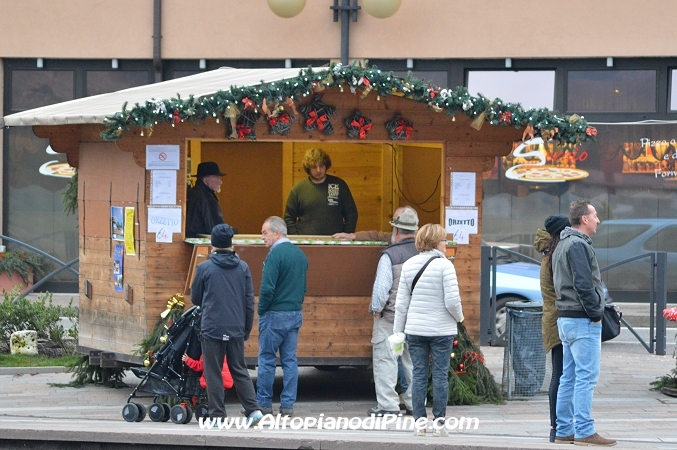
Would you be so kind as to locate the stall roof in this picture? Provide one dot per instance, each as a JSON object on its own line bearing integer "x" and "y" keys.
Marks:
{"x": 94, "y": 109}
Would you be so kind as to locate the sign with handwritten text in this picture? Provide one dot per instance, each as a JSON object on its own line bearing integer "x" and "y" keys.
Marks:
{"x": 167, "y": 218}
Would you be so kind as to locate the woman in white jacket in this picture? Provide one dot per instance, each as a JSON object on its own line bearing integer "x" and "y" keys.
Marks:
{"x": 428, "y": 316}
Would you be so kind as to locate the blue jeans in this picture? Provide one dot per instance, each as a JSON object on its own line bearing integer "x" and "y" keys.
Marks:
{"x": 582, "y": 349}
{"x": 278, "y": 330}
{"x": 420, "y": 347}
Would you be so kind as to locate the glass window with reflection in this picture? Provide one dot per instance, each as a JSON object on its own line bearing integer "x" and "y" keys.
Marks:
{"x": 611, "y": 91}
{"x": 104, "y": 81}
{"x": 673, "y": 90}
{"x": 530, "y": 88}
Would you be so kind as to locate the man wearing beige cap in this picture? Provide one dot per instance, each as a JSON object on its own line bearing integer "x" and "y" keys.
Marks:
{"x": 382, "y": 307}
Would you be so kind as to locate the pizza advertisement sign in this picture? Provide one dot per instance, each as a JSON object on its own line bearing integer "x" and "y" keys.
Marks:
{"x": 648, "y": 156}
{"x": 536, "y": 161}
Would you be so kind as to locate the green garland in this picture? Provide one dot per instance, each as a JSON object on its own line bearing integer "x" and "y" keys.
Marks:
{"x": 564, "y": 128}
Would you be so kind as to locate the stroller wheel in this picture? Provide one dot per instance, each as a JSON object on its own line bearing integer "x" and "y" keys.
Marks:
{"x": 142, "y": 412}
{"x": 156, "y": 412}
{"x": 178, "y": 414}
{"x": 167, "y": 414}
{"x": 130, "y": 412}
{"x": 189, "y": 414}
{"x": 201, "y": 410}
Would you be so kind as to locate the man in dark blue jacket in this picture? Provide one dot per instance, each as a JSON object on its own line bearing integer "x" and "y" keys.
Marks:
{"x": 223, "y": 288}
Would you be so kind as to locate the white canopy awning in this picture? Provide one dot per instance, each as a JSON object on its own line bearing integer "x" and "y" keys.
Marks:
{"x": 94, "y": 109}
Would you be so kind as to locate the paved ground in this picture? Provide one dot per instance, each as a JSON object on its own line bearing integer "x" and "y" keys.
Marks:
{"x": 624, "y": 408}
{"x": 36, "y": 415}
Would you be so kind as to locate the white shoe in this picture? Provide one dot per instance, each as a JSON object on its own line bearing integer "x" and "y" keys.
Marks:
{"x": 420, "y": 432}
{"x": 440, "y": 433}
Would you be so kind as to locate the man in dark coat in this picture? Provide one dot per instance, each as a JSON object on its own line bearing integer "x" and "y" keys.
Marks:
{"x": 223, "y": 288}
{"x": 202, "y": 206}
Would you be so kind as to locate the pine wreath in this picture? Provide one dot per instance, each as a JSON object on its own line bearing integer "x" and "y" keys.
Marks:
{"x": 318, "y": 115}
{"x": 399, "y": 128}
{"x": 244, "y": 126}
{"x": 358, "y": 125}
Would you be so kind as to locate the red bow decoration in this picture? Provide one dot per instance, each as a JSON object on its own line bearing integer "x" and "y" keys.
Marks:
{"x": 284, "y": 118}
{"x": 365, "y": 81}
{"x": 591, "y": 131}
{"x": 363, "y": 127}
{"x": 248, "y": 103}
{"x": 505, "y": 117}
{"x": 403, "y": 127}
{"x": 320, "y": 120}
{"x": 242, "y": 131}
{"x": 433, "y": 91}
{"x": 176, "y": 118}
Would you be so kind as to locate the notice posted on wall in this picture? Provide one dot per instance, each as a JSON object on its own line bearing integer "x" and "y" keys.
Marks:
{"x": 117, "y": 222}
{"x": 163, "y": 222}
{"x": 461, "y": 222}
{"x": 118, "y": 259}
{"x": 162, "y": 157}
{"x": 462, "y": 189}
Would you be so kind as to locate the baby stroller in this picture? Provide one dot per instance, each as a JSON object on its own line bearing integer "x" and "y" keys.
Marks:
{"x": 169, "y": 377}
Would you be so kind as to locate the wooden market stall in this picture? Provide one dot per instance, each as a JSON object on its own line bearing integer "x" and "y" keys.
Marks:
{"x": 418, "y": 136}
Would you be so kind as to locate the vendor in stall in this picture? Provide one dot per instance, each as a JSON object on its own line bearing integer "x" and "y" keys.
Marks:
{"x": 320, "y": 204}
{"x": 203, "y": 211}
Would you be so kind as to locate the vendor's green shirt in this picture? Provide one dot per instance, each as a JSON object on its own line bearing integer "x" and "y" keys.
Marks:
{"x": 322, "y": 209}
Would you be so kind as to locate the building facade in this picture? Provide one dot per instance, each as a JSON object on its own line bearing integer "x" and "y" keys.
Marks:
{"x": 606, "y": 60}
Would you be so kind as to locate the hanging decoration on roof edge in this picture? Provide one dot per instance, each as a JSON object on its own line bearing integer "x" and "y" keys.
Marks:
{"x": 361, "y": 80}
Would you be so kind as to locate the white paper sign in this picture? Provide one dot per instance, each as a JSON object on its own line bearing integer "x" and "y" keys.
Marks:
{"x": 163, "y": 187}
{"x": 162, "y": 157}
{"x": 461, "y": 222}
{"x": 462, "y": 189}
{"x": 168, "y": 219}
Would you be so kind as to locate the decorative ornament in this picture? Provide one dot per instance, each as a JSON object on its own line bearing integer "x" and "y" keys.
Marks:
{"x": 249, "y": 104}
{"x": 434, "y": 107}
{"x": 670, "y": 314}
{"x": 146, "y": 362}
{"x": 281, "y": 124}
{"x": 163, "y": 339}
{"x": 467, "y": 104}
{"x": 399, "y": 128}
{"x": 455, "y": 342}
{"x": 244, "y": 126}
{"x": 358, "y": 125}
{"x": 505, "y": 117}
{"x": 432, "y": 91}
{"x": 176, "y": 118}
{"x": 318, "y": 115}
{"x": 528, "y": 132}
{"x": 591, "y": 131}
{"x": 479, "y": 121}
{"x": 176, "y": 301}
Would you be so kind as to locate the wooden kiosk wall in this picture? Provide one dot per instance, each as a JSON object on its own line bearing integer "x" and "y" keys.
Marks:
{"x": 336, "y": 323}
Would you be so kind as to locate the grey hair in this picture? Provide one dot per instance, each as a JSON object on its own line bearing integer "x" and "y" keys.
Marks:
{"x": 277, "y": 224}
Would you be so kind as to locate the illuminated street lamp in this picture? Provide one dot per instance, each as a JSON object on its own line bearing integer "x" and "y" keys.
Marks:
{"x": 380, "y": 9}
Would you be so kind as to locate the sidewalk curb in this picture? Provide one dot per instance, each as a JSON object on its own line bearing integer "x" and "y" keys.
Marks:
{"x": 32, "y": 370}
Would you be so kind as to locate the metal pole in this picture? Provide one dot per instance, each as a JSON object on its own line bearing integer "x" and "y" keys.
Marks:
{"x": 661, "y": 300}
{"x": 345, "y": 31}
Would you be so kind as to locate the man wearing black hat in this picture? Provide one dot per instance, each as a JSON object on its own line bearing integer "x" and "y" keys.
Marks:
{"x": 203, "y": 211}
{"x": 223, "y": 288}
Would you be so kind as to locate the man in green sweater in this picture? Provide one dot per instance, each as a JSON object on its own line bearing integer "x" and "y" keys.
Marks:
{"x": 283, "y": 285}
{"x": 320, "y": 204}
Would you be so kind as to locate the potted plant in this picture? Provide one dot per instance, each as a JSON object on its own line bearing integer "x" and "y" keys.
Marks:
{"x": 19, "y": 267}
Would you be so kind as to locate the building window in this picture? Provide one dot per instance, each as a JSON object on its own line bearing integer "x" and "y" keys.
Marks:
{"x": 35, "y": 88}
{"x": 105, "y": 81}
{"x": 611, "y": 91}
{"x": 673, "y": 90}
{"x": 531, "y": 88}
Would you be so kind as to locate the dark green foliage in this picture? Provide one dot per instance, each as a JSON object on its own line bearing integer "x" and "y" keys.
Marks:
{"x": 18, "y": 313}
{"x": 84, "y": 373}
{"x": 22, "y": 263}
{"x": 69, "y": 197}
{"x": 229, "y": 103}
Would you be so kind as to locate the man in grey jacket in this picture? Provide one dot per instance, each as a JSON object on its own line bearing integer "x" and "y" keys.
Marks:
{"x": 580, "y": 304}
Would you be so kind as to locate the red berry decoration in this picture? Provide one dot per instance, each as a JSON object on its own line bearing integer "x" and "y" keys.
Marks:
{"x": 455, "y": 342}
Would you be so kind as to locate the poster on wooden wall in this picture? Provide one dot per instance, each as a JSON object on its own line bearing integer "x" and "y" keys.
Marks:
{"x": 118, "y": 259}
{"x": 117, "y": 221}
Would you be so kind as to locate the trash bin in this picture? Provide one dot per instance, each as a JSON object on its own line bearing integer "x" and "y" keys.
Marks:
{"x": 524, "y": 355}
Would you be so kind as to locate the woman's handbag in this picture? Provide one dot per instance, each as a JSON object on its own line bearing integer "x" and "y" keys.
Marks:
{"x": 611, "y": 322}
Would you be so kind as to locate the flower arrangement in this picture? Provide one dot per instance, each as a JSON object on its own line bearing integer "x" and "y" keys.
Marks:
{"x": 22, "y": 263}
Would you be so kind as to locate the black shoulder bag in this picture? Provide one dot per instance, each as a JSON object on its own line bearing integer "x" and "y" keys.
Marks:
{"x": 611, "y": 322}
{"x": 420, "y": 272}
